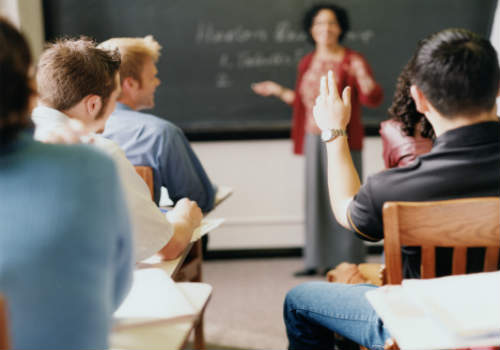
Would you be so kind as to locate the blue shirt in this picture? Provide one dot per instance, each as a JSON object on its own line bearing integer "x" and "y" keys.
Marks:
{"x": 151, "y": 141}
{"x": 65, "y": 244}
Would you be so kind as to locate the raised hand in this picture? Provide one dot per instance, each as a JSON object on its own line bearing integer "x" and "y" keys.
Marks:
{"x": 330, "y": 111}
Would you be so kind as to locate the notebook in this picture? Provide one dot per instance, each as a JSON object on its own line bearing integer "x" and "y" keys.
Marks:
{"x": 154, "y": 297}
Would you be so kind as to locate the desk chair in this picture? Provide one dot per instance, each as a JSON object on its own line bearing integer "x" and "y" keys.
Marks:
{"x": 191, "y": 268}
{"x": 4, "y": 329}
{"x": 460, "y": 224}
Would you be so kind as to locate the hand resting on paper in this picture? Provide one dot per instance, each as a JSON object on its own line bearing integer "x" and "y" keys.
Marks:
{"x": 185, "y": 217}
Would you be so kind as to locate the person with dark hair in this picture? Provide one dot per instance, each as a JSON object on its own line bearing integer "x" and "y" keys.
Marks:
{"x": 454, "y": 80}
{"x": 80, "y": 82}
{"x": 407, "y": 134}
{"x": 65, "y": 240}
{"x": 326, "y": 242}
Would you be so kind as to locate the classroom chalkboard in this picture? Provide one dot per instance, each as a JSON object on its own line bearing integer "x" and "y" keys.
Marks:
{"x": 214, "y": 49}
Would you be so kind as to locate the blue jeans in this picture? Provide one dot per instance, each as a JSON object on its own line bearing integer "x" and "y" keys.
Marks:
{"x": 314, "y": 311}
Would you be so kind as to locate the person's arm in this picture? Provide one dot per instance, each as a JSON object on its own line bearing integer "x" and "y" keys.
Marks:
{"x": 118, "y": 216}
{"x": 271, "y": 88}
{"x": 370, "y": 93}
{"x": 182, "y": 172}
{"x": 333, "y": 112}
{"x": 185, "y": 218}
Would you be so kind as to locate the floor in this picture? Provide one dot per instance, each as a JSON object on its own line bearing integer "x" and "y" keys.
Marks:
{"x": 245, "y": 311}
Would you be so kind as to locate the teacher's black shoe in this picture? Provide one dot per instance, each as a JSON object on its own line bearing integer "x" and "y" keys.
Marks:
{"x": 305, "y": 272}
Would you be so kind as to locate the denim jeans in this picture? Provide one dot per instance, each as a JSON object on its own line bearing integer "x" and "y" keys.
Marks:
{"x": 314, "y": 311}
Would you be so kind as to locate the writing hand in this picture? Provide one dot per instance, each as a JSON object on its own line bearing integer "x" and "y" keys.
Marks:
{"x": 330, "y": 111}
{"x": 187, "y": 211}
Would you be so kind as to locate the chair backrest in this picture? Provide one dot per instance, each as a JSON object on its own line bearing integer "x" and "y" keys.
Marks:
{"x": 460, "y": 224}
{"x": 146, "y": 173}
{"x": 4, "y": 329}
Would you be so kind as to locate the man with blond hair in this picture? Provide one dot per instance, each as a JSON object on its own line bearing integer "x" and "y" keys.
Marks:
{"x": 78, "y": 81}
{"x": 147, "y": 139}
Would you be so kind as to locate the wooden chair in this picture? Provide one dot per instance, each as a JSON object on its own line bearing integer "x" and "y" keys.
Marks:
{"x": 4, "y": 329}
{"x": 460, "y": 224}
{"x": 191, "y": 268}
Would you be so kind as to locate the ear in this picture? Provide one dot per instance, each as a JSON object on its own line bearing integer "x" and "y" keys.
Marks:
{"x": 421, "y": 102}
{"x": 130, "y": 83}
{"x": 93, "y": 105}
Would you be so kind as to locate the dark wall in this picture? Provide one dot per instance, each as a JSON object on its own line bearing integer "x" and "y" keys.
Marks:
{"x": 214, "y": 49}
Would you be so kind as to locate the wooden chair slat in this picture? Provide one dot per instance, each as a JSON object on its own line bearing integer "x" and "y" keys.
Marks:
{"x": 428, "y": 262}
{"x": 146, "y": 173}
{"x": 459, "y": 263}
{"x": 491, "y": 259}
{"x": 392, "y": 245}
{"x": 4, "y": 329}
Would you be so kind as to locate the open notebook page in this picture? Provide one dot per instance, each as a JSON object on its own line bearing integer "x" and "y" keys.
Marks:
{"x": 154, "y": 297}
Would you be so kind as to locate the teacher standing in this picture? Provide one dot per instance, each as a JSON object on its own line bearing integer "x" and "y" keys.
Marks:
{"x": 326, "y": 242}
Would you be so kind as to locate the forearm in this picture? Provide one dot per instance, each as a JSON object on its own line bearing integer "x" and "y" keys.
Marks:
{"x": 179, "y": 241}
{"x": 286, "y": 95}
{"x": 343, "y": 179}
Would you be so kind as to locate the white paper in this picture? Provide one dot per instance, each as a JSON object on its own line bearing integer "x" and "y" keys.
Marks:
{"x": 441, "y": 313}
{"x": 154, "y": 297}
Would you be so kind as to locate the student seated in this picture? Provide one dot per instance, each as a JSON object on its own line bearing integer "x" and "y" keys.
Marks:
{"x": 147, "y": 139}
{"x": 454, "y": 77}
{"x": 65, "y": 240}
{"x": 76, "y": 80}
{"x": 407, "y": 134}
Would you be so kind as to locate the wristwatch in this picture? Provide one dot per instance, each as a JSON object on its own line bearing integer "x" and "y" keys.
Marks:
{"x": 331, "y": 134}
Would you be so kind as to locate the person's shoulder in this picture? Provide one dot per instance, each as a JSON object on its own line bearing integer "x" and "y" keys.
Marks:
{"x": 106, "y": 145}
{"x": 155, "y": 123}
{"x": 306, "y": 60}
{"x": 388, "y": 178}
{"x": 353, "y": 54}
{"x": 391, "y": 130}
{"x": 69, "y": 159}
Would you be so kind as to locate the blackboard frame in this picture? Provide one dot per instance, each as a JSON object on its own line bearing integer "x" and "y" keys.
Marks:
{"x": 385, "y": 32}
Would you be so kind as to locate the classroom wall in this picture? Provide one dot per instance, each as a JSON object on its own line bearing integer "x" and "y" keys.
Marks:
{"x": 266, "y": 208}
{"x": 28, "y": 17}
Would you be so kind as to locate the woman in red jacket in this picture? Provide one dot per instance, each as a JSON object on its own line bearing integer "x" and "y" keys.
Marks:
{"x": 326, "y": 243}
{"x": 407, "y": 134}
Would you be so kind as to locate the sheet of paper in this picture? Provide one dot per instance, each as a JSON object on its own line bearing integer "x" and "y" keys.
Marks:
{"x": 154, "y": 297}
{"x": 416, "y": 324}
{"x": 468, "y": 305}
{"x": 207, "y": 225}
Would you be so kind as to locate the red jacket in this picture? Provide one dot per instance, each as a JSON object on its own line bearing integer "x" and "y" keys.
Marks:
{"x": 399, "y": 149}
{"x": 355, "y": 128}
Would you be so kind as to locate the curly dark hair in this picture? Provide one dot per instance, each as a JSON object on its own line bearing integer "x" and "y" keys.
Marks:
{"x": 15, "y": 87}
{"x": 340, "y": 13}
{"x": 403, "y": 107}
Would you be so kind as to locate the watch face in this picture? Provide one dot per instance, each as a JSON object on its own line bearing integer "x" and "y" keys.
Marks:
{"x": 326, "y": 135}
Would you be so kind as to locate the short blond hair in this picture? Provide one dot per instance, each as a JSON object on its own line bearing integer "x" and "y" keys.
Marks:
{"x": 134, "y": 53}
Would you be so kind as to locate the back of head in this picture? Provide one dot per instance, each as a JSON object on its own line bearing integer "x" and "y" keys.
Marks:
{"x": 71, "y": 69}
{"x": 457, "y": 71}
{"x": 15, "y": 89}
{"x": 134, "y": 53}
